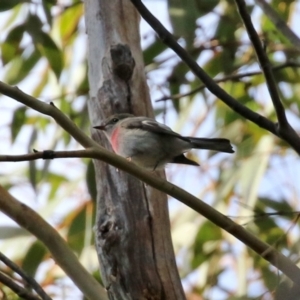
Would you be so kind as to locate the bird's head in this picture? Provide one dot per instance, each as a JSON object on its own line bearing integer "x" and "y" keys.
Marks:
{"x": 110, "y": 124}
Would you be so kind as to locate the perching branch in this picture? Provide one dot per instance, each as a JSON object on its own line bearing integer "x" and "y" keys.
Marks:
{"x": 19, "y": 290}
{"x": 288, "y": 134}
{"x": 28, "y": 279}
{"x": 48, "y": 154}
{"x": 30, "y": 220}
{"x": 279, "y": 23}
{"x": 95, "y": 151}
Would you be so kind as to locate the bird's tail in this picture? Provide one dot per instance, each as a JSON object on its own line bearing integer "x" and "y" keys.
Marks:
{"x": 222, "y": 145}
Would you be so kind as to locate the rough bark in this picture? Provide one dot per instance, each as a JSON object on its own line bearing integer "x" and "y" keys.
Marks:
{"x": 133, "y": 230}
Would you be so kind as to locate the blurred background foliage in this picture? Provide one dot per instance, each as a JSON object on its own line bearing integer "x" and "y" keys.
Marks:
{"x": 43, "y": 51}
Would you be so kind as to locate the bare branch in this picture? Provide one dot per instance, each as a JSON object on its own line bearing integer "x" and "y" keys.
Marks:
{"x": 28, "y": 279}
{"x": 289, "y": 135}
{"x": 20, "y": 291}
{"x": 284, "y": 130}
{"x": 49, "y": 110}
{"x": 28, "y": 219}
{"x": 264, "y": 64}
{"x": 48, "y": 154}
{"x": 279, "y": 23}
{"x": 227, "y": 78}
{"x": 169, "y": 40}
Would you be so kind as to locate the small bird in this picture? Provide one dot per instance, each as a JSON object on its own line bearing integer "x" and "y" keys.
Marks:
{"x": 151, "y": 145}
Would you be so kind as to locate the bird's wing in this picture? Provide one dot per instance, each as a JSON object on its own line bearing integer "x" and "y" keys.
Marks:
{"x": 153, "y": 126}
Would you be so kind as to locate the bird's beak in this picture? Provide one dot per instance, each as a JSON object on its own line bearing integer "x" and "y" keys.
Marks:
{"x": 100, "y": 127}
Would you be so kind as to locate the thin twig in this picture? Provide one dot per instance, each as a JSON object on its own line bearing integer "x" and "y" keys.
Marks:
{"x": 279, "y": 23}
{"x": 20, "y": 291}
{"x": 227, "y": 78}
{"x": 28, "y": 279}
{"x": 264, "y": 64}
{"x": 48, "y": 154}
{"x": 23, "y": 215}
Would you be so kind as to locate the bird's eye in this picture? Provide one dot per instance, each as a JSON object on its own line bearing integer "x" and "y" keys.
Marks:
{"x": 115, "y": 120}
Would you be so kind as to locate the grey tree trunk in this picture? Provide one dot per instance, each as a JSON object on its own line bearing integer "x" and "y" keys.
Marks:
{"x": 133, "y": 230}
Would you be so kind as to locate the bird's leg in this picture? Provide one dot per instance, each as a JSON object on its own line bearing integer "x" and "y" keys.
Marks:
{"x": 129, "y": 158}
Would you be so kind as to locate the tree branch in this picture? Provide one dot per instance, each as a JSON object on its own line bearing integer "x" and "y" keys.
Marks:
{"x": 95, "y": 151}
{"x": 169, "y": 40}
{"x": 264, "y": 64}
{"x": 227, "y": 78}
{"x": 49, "y": 110}
{"x": 279, "y": 23}
{"x": 263, "y": 249}
{"x": 48, "y": 154}
{"x": 289, "y": 135}
{"x": 20, "y": 291}
{"x": 284, "y": 130}
{"x": 28, "y": 279}
{"x": 66, "y": 259}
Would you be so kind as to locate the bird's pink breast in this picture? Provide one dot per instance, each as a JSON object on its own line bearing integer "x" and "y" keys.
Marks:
{"x": 114, "y": 140}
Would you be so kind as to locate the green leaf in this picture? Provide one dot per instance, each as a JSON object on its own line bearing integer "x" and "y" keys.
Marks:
{"x": 203, "y": 249}
{"x": 46, "y": 46}
{"x": 53, "y": 54}
{"x": 91, "y": 180}
{"x": 183, "y": 16}
{"x": 32, "y": 164}
{"x": 33, "y": 258}
{"x": 83, "y": 87}
{"x": 11, "y": 46}
{"x": 20, "y": 67}
{"x": 9, "y": 4}
{"x": 56, "y": 181}
{"x": 69, "y": 22}
{"x": 281, "y": 206}
{"x": 43, "y": 80}
{"x": 47, "y": 10}
{"x": 18, "y": 120}
{"x": 206, "y": 6}
{"x": 78, "y": 227}
{"x": 153, "y": 50}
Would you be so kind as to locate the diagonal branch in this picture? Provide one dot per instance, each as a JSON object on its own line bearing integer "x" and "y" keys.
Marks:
{"x": 289, "y": 135}
{"x": 30, "y": 220}
{"x": 95, "y": 151}
{"x": 20, "y": 291}
{"x": 279, "y": 23}
{"x": 266, "y": 251}
{"x": 264, "y": 64}
{"x": 49, "y": 110}
{"x": 170, "y": 41}
{"x": 28, "y": 279}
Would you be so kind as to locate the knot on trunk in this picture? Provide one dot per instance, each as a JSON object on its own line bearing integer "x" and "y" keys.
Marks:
{"x": 122, "y": 61}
